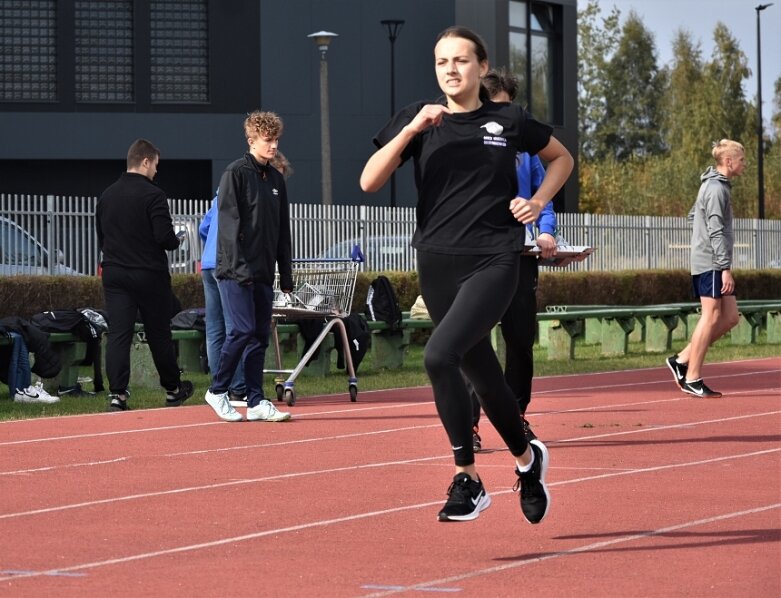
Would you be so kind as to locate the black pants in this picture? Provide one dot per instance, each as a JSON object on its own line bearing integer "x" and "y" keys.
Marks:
{"x": 519, "y": 328}
{"x": 466, "y": 296}
{"x": 128, "y": 291}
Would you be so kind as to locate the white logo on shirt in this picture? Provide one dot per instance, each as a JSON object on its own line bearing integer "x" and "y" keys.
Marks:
{"x": 493, "y": 128}
{"x": 275, "y": 192}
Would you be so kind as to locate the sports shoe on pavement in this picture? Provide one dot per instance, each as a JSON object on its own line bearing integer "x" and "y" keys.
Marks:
{"x": 466, "y": 498}
{"x": 698, "y": 388}
{"x": 179, "y": 395}
{"x": 222, "y": 406}
{"x": 535, "y": 500}
{"x": 117, "y": 403}
{"x": 34, "y": 394}
{"x": 477, "y": 443}
{"x": 265, "y": 411}
{"x": 527, "y": 429}
{"x": 678, "y": 369}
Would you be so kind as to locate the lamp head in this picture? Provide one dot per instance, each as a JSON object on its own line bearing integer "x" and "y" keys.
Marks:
{"x": 763, "y": 6}
{"x": 322, "y": 39}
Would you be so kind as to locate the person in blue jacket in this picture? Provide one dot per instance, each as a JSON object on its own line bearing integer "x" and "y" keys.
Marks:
{"x": 218, "y": 320}
{"x": 520, "y": 320}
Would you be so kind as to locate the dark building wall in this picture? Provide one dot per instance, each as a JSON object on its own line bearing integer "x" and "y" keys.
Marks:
{"x": 260, "y": 57}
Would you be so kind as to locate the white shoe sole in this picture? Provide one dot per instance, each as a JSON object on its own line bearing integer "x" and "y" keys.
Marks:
{"x": 230, "y": 416}
{"x": 543, "y": 473}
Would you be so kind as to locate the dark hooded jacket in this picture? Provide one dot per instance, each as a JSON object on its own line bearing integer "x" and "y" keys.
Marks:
{"x": 253, "y": 225}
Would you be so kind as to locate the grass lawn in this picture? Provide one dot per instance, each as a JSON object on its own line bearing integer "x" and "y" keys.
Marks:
{"x": 587, "y": 359}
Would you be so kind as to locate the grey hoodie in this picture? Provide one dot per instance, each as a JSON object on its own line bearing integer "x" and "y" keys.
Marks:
{"x": 711, "y": 220}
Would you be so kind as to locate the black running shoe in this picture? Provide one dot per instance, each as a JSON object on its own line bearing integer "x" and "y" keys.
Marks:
{"x": 698, "y": 388}
{"x": 678, "y": 369}
{"x": 115, "y": 403}
{"x": 466, "y": 498}
{"x": 179, "y": 395}
{"x": 535, "y": 500}
{"x": 527, "y": 429}
{"x": 477, "y": 443}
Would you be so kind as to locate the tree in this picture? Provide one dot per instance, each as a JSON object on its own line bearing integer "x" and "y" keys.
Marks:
{"x": 634, "y": 86}
{"x": 595, "y": 45}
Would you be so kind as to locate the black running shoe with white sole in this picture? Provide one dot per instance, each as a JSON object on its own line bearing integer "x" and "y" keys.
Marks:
{"x": 535, "y": 499}
{"x": 698, "y": 388}
{"x": 116, "y": 403}
{"x": 678, "y": 369}
{"x": 477, "y": 442}
{"x": 466, "y": 498}
{"x": 174, "y": 398}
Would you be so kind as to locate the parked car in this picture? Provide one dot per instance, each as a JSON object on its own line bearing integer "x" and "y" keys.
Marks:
{"x": 21, "y": 253}
{"x": 381, "y": 253}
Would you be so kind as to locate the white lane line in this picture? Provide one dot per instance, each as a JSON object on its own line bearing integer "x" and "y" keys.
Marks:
{"x": 573, "y": 551}
{"x": 383, "y": 512}
{"x": 428, "y": 426}
{"x": 635, "y": 384}
{"x": 202, "y": 424}
{"x": 67, "y": 466}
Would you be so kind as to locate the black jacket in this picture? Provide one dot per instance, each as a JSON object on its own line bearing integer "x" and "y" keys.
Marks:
{"x": 134, "y": 225}
{"x": 47, "y": 362}
{"x": 253, "y": 225}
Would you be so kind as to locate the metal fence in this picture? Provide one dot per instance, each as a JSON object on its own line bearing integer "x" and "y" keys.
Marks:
{"x": 53, "y": 234}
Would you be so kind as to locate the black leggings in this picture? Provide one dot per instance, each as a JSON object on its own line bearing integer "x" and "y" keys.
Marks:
{"x": 466, "y": 296}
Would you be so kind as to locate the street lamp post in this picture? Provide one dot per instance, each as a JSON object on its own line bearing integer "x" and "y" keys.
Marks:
{"x": 322, "y": 39}
{"x": 394, "y": 28}
{"x": 760, "y": 142}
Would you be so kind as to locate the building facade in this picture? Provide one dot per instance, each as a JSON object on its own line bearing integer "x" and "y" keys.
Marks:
{"x": 80, "y": 80}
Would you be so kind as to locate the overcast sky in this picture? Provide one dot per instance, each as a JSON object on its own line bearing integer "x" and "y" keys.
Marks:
{"x": 664, "y": 18}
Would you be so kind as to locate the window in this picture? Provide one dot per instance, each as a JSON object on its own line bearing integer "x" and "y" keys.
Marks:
{"x": 534, "y": 33}
{"x": 28, "y": 51}
{"x": 179, "y": 51}
{"x": 104, "y": 51}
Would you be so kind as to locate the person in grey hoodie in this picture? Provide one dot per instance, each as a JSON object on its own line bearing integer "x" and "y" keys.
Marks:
{"x": 711, "y": 266}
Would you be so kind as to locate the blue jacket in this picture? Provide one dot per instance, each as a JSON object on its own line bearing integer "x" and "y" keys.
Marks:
{"x": 208, "y": 233}
{"x": 530, "y": 174}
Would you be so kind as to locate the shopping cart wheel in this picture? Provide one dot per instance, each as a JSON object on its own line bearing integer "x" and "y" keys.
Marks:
{"x": 290, "y": 396}
{"x": 280, "y": 392}
{"x": 353, "y": 393}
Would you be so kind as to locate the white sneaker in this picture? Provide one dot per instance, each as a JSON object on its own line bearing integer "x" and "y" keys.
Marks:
{"x": 265, "y": 411}
{"x": 34, "y": 394}
{"x": 222, "y": 406}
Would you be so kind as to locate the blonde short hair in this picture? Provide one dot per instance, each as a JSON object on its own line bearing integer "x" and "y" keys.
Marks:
{"x": 265, "y": 124}
{"x": 724, "y": 148}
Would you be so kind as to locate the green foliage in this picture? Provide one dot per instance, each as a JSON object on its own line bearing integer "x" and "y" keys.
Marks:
{"x": 630, "y": 125}
{"x": 646, "y": 135}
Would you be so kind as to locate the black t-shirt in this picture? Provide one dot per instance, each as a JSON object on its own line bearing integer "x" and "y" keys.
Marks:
{"x": 465, "y": 175}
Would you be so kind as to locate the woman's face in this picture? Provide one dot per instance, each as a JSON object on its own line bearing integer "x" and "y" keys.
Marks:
{"x": 458, "y": 70}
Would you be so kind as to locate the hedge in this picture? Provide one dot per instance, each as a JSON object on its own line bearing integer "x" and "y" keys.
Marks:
{"x": 24, "y": 296}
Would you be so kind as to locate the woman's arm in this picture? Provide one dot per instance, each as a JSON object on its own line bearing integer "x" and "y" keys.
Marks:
{"x": 385, "y": 160}
{"x": 560, "y": 164}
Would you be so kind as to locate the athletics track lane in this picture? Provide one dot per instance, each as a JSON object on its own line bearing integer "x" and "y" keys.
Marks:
{"x": 655, "y": 494}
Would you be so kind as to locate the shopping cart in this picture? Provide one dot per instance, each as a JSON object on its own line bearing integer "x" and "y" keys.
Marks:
{"x": 322, "y": 289}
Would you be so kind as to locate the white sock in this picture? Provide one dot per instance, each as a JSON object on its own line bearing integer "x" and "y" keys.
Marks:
{"x": 526, "y": 467}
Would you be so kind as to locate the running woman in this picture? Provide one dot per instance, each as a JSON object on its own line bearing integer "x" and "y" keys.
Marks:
{"x": 468, "y": 240}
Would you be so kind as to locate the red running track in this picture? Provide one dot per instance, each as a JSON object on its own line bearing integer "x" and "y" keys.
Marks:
{"x": 654, "y": 493}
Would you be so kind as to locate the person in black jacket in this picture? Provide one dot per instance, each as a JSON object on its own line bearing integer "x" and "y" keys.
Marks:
{"x": 253, "y": 220}
{"x": 134, "y": 230}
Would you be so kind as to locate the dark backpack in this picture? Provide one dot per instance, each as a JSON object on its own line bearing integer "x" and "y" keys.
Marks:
{"x": 87, "y": 324}
{"x": 382, "y": 304}
{"x": 190, "y": 319}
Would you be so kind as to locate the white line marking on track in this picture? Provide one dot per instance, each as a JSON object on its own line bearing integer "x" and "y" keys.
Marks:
{"x": 66, "y": 466}
{"x": 382, "y": 512}
{"x": 573, "y": 551}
